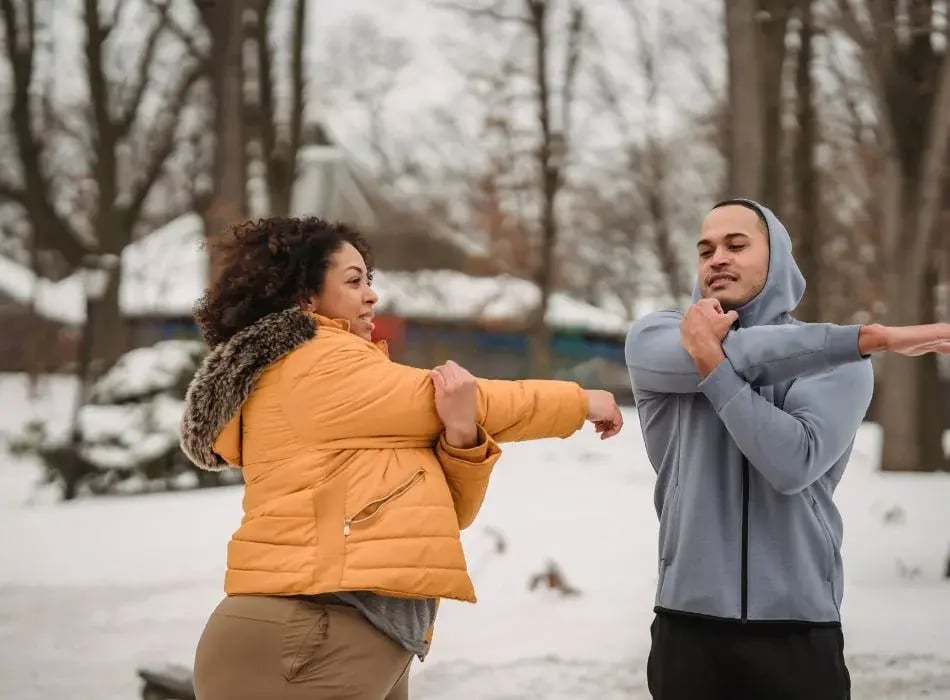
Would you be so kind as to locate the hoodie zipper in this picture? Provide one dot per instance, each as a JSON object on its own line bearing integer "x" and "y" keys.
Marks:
{"x": 744, "y": 581}
{"x": 375, "y": 506}
{"x": 745, "y": 540}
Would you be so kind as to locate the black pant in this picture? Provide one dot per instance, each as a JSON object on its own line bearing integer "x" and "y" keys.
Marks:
{"x": 701, "y": 659}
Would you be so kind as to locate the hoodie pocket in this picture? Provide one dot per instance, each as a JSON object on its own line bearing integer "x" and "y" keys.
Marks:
{"x": 829, "y": 542}
{"x": 670, "y": 526}
{"x": 373, "y": 508}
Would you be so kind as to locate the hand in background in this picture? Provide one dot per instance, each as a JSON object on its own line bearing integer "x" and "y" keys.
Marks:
{"x": 905, "y": 340}
{"x": 603, "y": 412}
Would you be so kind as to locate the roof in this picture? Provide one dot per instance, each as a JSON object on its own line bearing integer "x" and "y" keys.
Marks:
{"x": 165, "y": 272}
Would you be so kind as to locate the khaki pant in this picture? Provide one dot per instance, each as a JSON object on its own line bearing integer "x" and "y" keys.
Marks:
{"x": 282, "y": 648}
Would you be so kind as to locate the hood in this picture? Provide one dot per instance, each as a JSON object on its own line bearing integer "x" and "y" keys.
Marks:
{"x": 785, "y": 284}
{"x": 226, "y": 376}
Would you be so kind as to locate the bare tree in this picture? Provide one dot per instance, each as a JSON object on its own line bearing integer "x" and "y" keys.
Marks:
{"x": 226, "y": 201}
{"x": 645, "y": 149}
{"x": 553, "y": 100}
{"x": 908, "y": 67}
{"x": 84, "y": 171}
{"x": 755, "y": 38}
{"x": 362, "y": 71}
{"x": 807, "y": 222}
{"x": 278, "y": 125}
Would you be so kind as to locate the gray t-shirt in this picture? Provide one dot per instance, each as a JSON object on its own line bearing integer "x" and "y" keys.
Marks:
{"x": 404, "y": 620}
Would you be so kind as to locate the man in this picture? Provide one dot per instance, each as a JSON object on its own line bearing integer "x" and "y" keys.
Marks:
{"x": 749, "y": 418}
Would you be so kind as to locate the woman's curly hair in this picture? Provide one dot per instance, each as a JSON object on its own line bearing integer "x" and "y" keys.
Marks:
{"x": 266, "y": 266}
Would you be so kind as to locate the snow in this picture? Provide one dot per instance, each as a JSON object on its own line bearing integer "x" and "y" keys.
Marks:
{"x": 135, "y": 408}
{"x": 96, "y": 588}
{"x": 165, "y": 272}
{"x": 51, "y": 401}
{"x": 144, "y": 371}
{"x": 59, "y": 301}
{"x": 445, "y": 294}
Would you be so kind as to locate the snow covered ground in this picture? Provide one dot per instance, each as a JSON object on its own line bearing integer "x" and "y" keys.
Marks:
{"x": 93, "y": 589}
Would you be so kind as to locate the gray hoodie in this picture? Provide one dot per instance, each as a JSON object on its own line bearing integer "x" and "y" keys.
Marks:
{"x": 747, "y": 459}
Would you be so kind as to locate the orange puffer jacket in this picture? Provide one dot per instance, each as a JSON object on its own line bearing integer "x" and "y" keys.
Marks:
{"x": 348, "y": 485}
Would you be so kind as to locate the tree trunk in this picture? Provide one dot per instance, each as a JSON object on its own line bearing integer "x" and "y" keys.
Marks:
{"x": 807, "y": 221}
{"x": 746, "y": 133}
{"x": 280, "y": 155}
{"x": 228, "y": 202}
{"x": 912, "y": 427}
{"x": 770, "y": 27}
{"x": 932, "y": 401}
{"x": 108, "y": 329}
{"x": 550, "y": 155}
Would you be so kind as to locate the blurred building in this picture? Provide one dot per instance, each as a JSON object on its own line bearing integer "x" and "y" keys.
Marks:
{"x": 432, "y": 307}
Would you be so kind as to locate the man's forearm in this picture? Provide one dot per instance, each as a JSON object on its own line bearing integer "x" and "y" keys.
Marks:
{"x": 794, "y": 445}
{"x": 761, "y": 354}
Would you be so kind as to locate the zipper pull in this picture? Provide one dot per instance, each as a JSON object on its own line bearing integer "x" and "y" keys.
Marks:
{"x": 346, "y": 528}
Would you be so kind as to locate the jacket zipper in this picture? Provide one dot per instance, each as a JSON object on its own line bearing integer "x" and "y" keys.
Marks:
{"x": 375, "y": 506}
{"x": 745, "y": 540}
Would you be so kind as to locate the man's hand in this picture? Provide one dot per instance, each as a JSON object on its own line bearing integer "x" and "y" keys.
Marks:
{"x": 603, "y": 412}
{"x": 702, "y": 330}
{"x": 456, "y": 402}
{"x": 905, "y": 340}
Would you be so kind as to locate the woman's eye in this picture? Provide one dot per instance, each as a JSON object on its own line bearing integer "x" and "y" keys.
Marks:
{"x": 355, "y": 281}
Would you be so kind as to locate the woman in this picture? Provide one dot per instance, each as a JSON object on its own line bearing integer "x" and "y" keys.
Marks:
{"x": 359, "y": 472}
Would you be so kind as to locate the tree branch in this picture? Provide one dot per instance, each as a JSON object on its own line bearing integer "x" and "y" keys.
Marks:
{"x": 877, "y": 61}
{"x": 183, "y": 35}
{"x": 492, "y": 13}
{"x": 131, "y": 108}
{"x": 266, "y": 116}
{"x": 163, "y": 144}
{"x": 575, "y": 33}
{"x": 116, "y": 16}
{"x": 12, "y": 193}
{"x": 298, "y": 79}
{"x": 846, "y": 91}
{"x": 49, "y": 229}
{"x": 105, "y": 136}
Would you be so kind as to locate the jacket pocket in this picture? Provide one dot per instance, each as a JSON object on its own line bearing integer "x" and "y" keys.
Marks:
{"x": 829, "y": 542}
{"x": 372, "y": 509}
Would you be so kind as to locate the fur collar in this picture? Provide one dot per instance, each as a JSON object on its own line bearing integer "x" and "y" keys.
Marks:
{"x": 226, "y": 376}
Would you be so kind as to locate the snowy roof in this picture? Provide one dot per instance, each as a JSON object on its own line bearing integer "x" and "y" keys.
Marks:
{"x": 449, "y": 295}
{"x": 58, "y": 301}
{"x": 164, "y": 273}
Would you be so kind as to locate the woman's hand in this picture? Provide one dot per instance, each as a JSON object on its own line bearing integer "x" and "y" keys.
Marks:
{"x": 603, "y": 412}
{"x": 905, "y": 340}
{"x": 456, "y": 402}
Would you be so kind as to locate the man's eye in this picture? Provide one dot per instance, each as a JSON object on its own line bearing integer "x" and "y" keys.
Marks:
{"x": 737, "y": 247}
{"x": 705, "y": 254}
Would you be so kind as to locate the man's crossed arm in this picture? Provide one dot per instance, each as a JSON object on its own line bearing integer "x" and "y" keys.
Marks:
{"x": 792, "y": 446}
